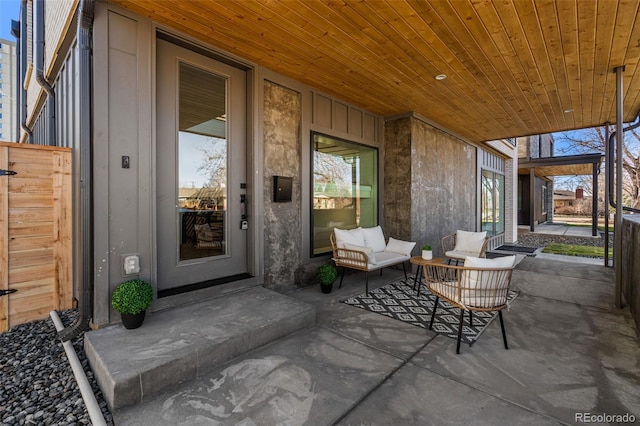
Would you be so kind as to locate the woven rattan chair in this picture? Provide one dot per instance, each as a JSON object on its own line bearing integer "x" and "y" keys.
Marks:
{"x": 455, "y": 249}
{"x": 471, "y": 288}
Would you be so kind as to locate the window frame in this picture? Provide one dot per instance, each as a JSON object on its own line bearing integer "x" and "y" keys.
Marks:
{"x": 494, "y": 200}
{"x": 313, "y": 133}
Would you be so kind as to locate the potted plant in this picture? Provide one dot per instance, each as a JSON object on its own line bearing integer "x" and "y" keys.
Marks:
{"x": 427, "y": 253}
{"x": 132, "y": 298}
{"x": 326, "y": 274}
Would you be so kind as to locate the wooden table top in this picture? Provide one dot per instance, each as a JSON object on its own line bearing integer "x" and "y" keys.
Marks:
{"x": 418, "y": 260}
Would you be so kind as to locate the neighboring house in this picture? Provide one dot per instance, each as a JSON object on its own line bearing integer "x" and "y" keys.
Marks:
{"x": 562, "y": 198}
{"x": 537, "y": 166}
{"x": 8, "y": 87}
{"x": 570, "y": 202}
{"x": 169, "y": 112}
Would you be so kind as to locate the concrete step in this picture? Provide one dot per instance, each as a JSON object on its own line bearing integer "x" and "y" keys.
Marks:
{"x": 187, "y": 342}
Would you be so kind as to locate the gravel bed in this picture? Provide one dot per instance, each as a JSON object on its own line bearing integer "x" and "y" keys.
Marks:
{"x": 37, "y": 385}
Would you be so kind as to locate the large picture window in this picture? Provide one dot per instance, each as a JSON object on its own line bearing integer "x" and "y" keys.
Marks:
{"x": 492, "y": 203}
{"x": 345, "y": 188}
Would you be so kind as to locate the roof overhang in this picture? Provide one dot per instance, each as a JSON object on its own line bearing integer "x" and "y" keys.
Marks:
{"x": 561, "y": 166}
{"x": 513, "y": 68}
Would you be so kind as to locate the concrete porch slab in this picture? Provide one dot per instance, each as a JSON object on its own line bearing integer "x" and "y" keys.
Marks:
{"x": 312, "y": 377}
{"x": 176, "y": 345}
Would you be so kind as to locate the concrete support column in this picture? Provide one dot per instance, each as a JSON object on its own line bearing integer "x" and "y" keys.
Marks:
{"x": 429, "y": 183}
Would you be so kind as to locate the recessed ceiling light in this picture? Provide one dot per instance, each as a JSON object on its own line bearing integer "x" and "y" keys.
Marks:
{"x": 567, "y": 111}
{"x": 441, "y": 77}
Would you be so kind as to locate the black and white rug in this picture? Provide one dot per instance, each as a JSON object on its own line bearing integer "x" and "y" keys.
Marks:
{"x": 398, "y": 300}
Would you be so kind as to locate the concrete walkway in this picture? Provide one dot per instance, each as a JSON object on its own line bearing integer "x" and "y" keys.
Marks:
{"x": 570, "y": 353}
{"x": 560, "y": 229}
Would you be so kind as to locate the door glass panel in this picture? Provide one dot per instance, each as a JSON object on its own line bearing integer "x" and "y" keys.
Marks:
{"x": 202, "y": 164}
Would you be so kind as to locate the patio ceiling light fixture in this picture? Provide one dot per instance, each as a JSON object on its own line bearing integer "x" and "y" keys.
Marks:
{"x": 441, "y": 77}
{"x": 567, "y": 111}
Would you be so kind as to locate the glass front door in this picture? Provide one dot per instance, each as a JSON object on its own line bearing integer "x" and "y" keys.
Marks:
{"x": 201, "y": 169}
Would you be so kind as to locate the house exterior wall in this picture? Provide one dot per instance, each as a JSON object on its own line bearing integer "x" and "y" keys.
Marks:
{"x": 123, "y": 200}
{"x": 282, "y": 157}
{"x": 415, "y": 157}
{"x": 8, "y": 131}
{"x": 430, "y": 183}
{"x": 58, "y": 16}
{"x": 509, "y": 154}
{"x": 58, "y": 36}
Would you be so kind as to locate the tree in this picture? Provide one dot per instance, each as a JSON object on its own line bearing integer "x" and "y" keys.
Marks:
{"x": 214, "y": 162}
{"x": 593, "y": 140}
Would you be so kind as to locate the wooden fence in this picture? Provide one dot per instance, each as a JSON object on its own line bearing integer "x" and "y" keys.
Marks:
{"x": 35, "y": 232}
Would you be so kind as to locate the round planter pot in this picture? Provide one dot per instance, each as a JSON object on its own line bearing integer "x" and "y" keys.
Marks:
{"x": 131, "y": 321}
{"x": 427, "y": 254}
{"x": 326, "y": 288}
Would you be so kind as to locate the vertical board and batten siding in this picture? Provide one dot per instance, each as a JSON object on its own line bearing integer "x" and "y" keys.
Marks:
{"x": 35, "y": 232}
{"x": 66, "y": 87}
{"x": 492, "y": 162}
{"x": 344, "y": 121}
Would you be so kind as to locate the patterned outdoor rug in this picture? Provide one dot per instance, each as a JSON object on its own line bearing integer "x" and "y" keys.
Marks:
{"x": 398, "y": 300}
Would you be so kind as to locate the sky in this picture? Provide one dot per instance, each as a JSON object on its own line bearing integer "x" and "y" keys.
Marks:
{"x": 9, "y": 9}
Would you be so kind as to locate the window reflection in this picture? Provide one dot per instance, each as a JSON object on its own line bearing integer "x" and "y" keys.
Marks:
{"x": 345, "y": 188}
{"x": 202, "y": 163}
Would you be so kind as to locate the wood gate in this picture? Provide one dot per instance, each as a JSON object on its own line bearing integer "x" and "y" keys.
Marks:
{"x": 35, "y": 232}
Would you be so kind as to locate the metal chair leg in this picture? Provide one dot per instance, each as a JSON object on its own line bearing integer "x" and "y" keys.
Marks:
{"x": 418, "y": 280}
{"x": 404, "y": 268}
{"x": 381, "y": 269}
{"x": 433, "y": 314}
{"x": 470, "y": 318}
{"x": 366, "y": 281}
{"x": 342, "y": 277}
{"x": 504, "y": 335}
{"x": 460, "y": 331}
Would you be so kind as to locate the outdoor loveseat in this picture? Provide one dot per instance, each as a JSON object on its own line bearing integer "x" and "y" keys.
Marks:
{"x": 365, "y": 249}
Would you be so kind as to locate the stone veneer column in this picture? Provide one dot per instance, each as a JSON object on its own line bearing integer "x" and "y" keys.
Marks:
{"x": 282, "y": 157}
{"x": 430, "y": 182}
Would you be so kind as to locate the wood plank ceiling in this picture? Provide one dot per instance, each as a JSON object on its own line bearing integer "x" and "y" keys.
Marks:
{"x": 513, "y": 68}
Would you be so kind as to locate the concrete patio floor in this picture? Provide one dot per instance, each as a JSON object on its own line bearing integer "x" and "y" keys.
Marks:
{"x": 570, "y": 353}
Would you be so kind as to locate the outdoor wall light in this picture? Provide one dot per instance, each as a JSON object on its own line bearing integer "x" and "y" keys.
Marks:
{"x": 441, "y": 76}
{"x": 567, "y": 111}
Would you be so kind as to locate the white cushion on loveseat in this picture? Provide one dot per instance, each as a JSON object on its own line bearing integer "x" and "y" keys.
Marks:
{"x": 399, "y": 246}
{"x": 349, "y": 236}
{"x": 374, "y": 238}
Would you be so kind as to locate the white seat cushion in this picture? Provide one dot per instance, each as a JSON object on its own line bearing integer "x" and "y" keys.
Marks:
{"x": 399, "y": 246}
{"x": 448, "y": 289}
{"x": 470, "y": 242}
{"x": 349, "y": 236}
{"x": 371, "y": 257}
{"x": 374, "y": 238}
{"x": 460, "y": 255}
{"x": 385, "y": 258}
